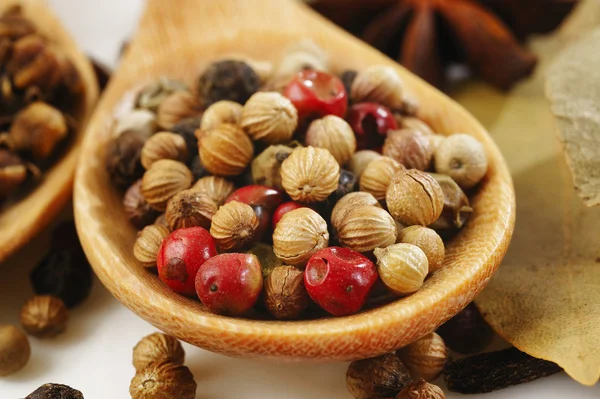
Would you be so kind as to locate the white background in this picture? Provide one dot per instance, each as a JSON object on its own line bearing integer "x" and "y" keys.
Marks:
{"x": 94, "y": 355}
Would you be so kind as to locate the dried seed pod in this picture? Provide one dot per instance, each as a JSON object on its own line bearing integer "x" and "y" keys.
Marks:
{"x": 379, "y": 84}
{"x": 285, "y": 295}
{"x": 463, "y": 158}
{"x": 365, "y": 228}
{"x": 157, "y": 347}
{"x": 153, "y": 94}
{"x": 360, "y": 160}
{"x": 377, "y": 378}
{"x": 225, "y": 150}
{"x": 269, "y": 117}
{"x": 348, "y": 202}
{"x": 44, "y": 316}
{"x": 123, "y": 158}
{"x": 402, "y": 267}
{"x": 467, "y": 332}
{"x": 148, "y": 243}
{"x": 217, "y": 188}
{"x": 227, "y": 80}
{"x": 234, "y": 226}
{"x": 141, "y": 121}
{"x": 55, "y": 391}
{"x": 300, "y": 56}
{"x": 163, "y": 180}
{"x": 266, "y": 166}
{"x": 425, "y": 358}
{"x": 421, "y": 389}
{"x": 138, "y": 211}
{"x": 409, "y": 147}
{"x": 298, "y": 235}
{"x": 429, "y": 241}
{"x": 221, "y": 112}
{"x": 334, "y": 134}
{"x": 164, "y": 145}
{"x": 414, "y": 197}
{"x": 14, "y": 349}
{"x": 176, "y": 107}
{"x": 37, "y": 129}
{"x": 378, "y": 175}
{"x": 190, "y": 208}
{"x": 457, "y": 208}
{"x": 413, "y": 123}
{"x": 163, "y": 380}
{"x": 266, "y": 257}
{"x": 310, "y": 174}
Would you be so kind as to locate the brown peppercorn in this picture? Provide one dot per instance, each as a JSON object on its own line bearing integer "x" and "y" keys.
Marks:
{"x": 37, "y": 129}
{"x": 360, "y": 160}
{"x": 378, "y": 175}
{"x": 55, "y": 391}
{"x": 123, "y": 158}
{"x": 379, "y": 84}
{"x": 269, "y": 117}
{"x": 365, "y": 228}
{"x": 190, "y": 208}
{"x": 463, "y": 158}
{"x": 217, "y": 188}
{"x": 163, "y": 180}
{"x": 176, "y": 107}
{"x": 298, "y": 235}
{"x": 227, "y": 80}
{"x": 221, "y": 112}
{"x": 421, "y": 390}
{"x": 310, "y": 174}
{"x": 411, "y": 148}
{"x": 138, "y": 120}
{"x": 163, "y": 380}
{"x": 266, "y": 167}
{"x": 335, "y": 135}
{"x": 414, "y": 197}
{"x": 164, "y": 145}
{"x": 148, "y": 243}
{"x": 225, "y": 150}
{"x": 285, "y": 295}
{"x": 348, "y": 202}
{"x": 425, "y": 358}
{"x": 44, "y": 316}
{"x": 457, "y": 208}
{"x": 429, "y": 241}
{"x": 377, "y": 378}
{"x": 153, "y": 94}
{"x": 234, "y": 226}
{"x": 138, "y": 211}
{"x": 157, "y": 347}
{"x": 14, "y": 349}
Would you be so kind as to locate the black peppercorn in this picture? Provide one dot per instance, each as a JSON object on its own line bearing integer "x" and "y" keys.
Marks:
{"x": 186, "y": 128}
{"x": 198, "y": 170}
{"x": 227, "y": 80}
{"x": 347, "y": 77}
{"x": 467, "y": 332}
{"x": 64, "y": 273}
{"x": 123, "y": 158}
{"x": 347, "y": 184}
{"x": 55, "y": 391}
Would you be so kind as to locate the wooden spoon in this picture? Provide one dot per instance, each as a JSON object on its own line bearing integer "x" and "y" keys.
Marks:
{"x": 23, "y": 220}
{"x": 178, "y": 39}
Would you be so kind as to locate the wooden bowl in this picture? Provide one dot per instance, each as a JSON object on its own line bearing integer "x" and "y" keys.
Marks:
{"x": 23, "y": 220}
{"x": 178, "y": 39}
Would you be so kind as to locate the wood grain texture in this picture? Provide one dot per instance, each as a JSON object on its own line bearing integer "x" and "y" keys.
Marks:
{"x": 178, "y": 39}
{"x": 23, "y": 220}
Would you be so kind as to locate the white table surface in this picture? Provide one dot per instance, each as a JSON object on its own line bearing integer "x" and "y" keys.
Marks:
{"x": 94, "y": 355}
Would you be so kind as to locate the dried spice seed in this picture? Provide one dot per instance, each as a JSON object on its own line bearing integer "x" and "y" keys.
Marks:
{"x": 186, "y": 128}
{"x": 161, "y": 380}
{"x": 491, "y": 371}
{"x": 123, "y": 159}
{"x": 157, "y": 347}
{"x": 377, "y": 378}
{"x": 467, "y": 332}
{"x": 55, "y": 391}
{"x": 425, "y": 358}
{"x": 153, "y": 94}
{"x": 227, "y": 80}
{"x": 14, "y": 349}
{"x": 285, "y": 295}
{"x": 190, "y": 208}
{"x": 44, "y": 316}
{"x": 138, "y": 211}
{"x": 266, "y": 166}
{"x": 421, "y": 389}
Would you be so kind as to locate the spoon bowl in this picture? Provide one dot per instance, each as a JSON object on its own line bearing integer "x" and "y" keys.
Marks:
{"x": 22, "y": 220}
{"x": 178, "y": 39}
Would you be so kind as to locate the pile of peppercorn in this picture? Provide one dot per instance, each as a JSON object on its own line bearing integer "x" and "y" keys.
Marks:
{"x": 290, "y": 184}
{"x": 38, "y": 85}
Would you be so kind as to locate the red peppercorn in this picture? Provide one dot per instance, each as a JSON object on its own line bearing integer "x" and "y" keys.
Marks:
{"x": 371, "y": 123}
{"x": 263, "y": 199}
{"x": 339, "y": 280}
{"x": 181, "y": 255}
{"x": 316, "y": 94}
{"x": 283, "y": 209}
{"x": 229, "y": 284}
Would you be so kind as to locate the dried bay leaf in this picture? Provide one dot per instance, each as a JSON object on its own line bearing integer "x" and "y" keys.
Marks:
{"x": 545, "y": 297}
{"x": 573, "y": 88}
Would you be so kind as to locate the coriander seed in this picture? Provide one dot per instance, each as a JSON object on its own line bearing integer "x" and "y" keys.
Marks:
{"x": 44, "y": 316}
{"x": 463, "y": 158}
{"x": 157, "y": 347}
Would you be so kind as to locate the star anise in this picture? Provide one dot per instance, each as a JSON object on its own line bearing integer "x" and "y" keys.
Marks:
{"x": 427, "y": 35}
